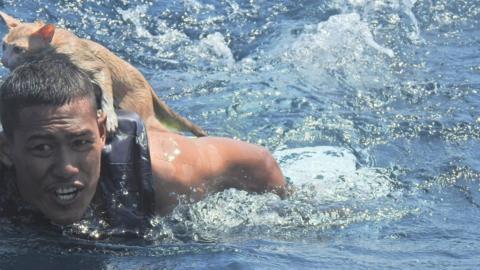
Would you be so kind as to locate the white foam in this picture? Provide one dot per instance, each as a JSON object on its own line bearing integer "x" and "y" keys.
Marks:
{"x": 134, "y": 15}
{"x": 165, "y": 42}
{"x": 333, "y": 173}
{"x": 310, "y": 164}
{"x": 210, "y": 52}
{"x": 399, "y": 7}
{"x": 343, "y": 31}
{"x": 341, "y": 50}
{"x": 216, "y": 45}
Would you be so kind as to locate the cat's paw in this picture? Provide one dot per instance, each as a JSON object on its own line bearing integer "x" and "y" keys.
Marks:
{"x": 112, "y": 121}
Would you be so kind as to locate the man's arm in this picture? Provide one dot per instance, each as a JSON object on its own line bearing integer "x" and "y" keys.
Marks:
{"x": 242, "y": 165}
{"x": 194, "y": 167}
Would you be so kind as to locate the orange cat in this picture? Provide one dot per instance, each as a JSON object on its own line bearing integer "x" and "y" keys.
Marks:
{"x": 122, "y": 85}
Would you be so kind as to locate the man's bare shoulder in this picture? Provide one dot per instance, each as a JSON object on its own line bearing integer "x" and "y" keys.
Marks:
{"x": 205, "y": 155}
{"x": 197, "y": 166}
{"x": 209, "y": 155}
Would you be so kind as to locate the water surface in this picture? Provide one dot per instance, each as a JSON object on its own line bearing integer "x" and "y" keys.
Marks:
{"x": 371, "y": 107}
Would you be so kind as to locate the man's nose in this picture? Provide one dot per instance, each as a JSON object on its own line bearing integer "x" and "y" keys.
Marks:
{"x": 65, "y": 166}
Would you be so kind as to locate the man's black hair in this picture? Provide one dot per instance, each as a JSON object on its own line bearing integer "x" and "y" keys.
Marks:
{"x": 51, "y": 80}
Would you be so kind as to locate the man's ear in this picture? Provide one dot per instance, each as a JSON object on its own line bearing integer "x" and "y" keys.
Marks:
{"x": 5, "y": 153}
{"x": 43, "y": 36}
{"x": 102, "y": 124}
{"x": 8, "y": 20}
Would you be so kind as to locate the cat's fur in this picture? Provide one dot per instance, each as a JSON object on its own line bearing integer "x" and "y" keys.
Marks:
{"x": 122, "y": 85}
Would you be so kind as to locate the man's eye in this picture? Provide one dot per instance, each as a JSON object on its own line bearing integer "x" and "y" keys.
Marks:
{"x": 42, "y": 150}
{"x": 82, "y": 144}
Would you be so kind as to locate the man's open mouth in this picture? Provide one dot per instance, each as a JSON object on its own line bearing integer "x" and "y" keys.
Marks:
{"x": 66, "y": 194}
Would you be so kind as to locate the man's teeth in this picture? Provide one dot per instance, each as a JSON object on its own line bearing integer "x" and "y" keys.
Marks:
{"x": 66, "y": 197}
{"x": 63, "y": 191}
{"x": 66, "y": 193}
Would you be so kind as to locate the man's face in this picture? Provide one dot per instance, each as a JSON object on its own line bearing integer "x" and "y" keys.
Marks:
{"x": 56, "y": 153}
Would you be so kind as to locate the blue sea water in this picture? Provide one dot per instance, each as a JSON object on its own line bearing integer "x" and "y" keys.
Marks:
{"x": 371, "y": 107}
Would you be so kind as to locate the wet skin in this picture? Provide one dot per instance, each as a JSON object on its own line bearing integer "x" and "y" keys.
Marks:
{"x": 56, "y": 152}
{"x": 199, "y": 166}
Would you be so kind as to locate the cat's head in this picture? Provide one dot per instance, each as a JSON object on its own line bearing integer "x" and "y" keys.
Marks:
{"x": 23, "y": 40}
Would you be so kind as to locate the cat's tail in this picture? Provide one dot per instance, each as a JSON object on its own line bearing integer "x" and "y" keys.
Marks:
{"x": 172, "y": 119}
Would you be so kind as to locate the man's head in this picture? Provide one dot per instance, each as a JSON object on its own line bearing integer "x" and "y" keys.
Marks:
{"x": 53, "y": 135}
{"x": 50, "y": 81}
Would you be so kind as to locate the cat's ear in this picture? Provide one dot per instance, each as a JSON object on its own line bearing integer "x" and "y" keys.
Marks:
{"x": 8, "y": 20}
{"x": 45, "y": 33}
{"x": 42, "y": 37}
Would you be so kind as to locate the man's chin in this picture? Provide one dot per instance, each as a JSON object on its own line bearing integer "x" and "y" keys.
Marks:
{"x": 65, "y": 219}
{"x": 64, "y": 216}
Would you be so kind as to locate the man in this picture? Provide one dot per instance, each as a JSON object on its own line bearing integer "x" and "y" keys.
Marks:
{"x": 59, "y": 160}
